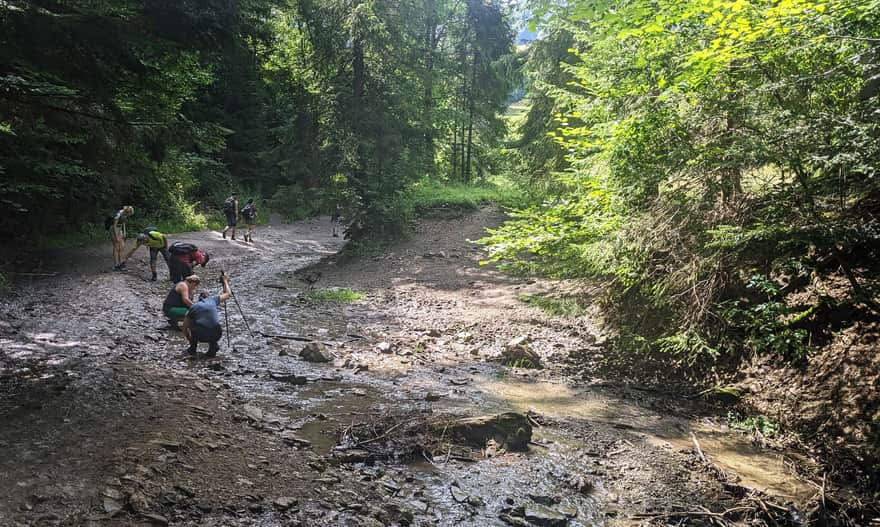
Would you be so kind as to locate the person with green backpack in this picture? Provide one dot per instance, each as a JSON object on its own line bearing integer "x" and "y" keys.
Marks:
{"x": 156, "y": 242}
{"x": 230, "y": 210}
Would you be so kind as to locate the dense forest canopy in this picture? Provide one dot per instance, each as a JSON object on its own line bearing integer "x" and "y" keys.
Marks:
{"x": 167, "y": 104}
{"x": 703, "y": 157}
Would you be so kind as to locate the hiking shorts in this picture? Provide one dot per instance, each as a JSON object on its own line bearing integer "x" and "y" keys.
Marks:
{"x": 210, "y": 335}
{"x": 230, "y": 218}
{"x": 250, "y": 221}
{"x": 175, "y": 314}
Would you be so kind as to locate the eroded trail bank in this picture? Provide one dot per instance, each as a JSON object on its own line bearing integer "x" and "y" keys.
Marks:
{"x": 105, "y": 423}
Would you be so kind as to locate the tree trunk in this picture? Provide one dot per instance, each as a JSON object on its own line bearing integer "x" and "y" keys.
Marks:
{"x": 470, "y": 132}
{"x": 430, "y": 50}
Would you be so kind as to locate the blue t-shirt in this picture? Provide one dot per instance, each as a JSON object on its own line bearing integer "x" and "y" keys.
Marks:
{"x": 205, "y": 313}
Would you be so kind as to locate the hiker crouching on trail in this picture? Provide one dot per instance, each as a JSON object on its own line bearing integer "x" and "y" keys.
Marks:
{"x": 230, "y": 210}
{"x": 183, "y": 257}
{"x": 202, "y": 322}
{"x": 180, "y": 299}
{"x": 116, "y": 225}
{"x": 249, "y": 213}
{"x": 156, "y": 242}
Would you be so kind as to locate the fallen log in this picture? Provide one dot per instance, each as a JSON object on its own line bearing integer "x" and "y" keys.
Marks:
{"x": 510, "y": 430}
{"x": 286, "y": 337}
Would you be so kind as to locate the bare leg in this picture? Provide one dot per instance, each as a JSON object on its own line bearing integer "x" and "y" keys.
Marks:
{"x": 186, "y": 327}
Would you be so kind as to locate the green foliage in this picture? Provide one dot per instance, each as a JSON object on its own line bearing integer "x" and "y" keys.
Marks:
{"x": 702, "y": 141}
{"x": 753, "y": 424}
{"x": 768, "y": 324}
{"x": 334, "y": 295}
{"x": 320, "y": 106}
{"x": 430, "y": 193}
{"x": 558, "y": 306}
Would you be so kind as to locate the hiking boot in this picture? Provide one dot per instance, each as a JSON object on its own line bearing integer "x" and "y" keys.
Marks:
{"x": 119, "y": 267}
{"x": 190, "y": 351}
{"x": 153, "y": 278}
{"x": 212, "y": 351}
{"x": 224, "y": 235}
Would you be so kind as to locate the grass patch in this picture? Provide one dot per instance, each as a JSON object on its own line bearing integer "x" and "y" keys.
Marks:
{"x": 753, "y": 424}
{"x": 5, "y": 282}
{"x": 340, "y": 295}
{"x": 430, "y": 194}
{"x": 557, "y": 306}
{"x": 366, "y": 247}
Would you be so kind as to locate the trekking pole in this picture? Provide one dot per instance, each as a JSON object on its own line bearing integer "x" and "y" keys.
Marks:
{"x": 226, "y": 316}
{"x": 241, "y": 312}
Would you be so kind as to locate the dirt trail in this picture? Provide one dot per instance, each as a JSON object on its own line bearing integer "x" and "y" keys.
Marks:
{"x": 105, "y": 423}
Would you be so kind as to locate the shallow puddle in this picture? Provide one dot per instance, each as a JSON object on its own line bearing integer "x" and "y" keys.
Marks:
{"x": 759, "y": 468}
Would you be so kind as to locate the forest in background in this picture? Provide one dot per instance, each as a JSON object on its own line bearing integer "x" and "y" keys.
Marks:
{"x": 171, "y": 105}
{"x": 708, "y": 167}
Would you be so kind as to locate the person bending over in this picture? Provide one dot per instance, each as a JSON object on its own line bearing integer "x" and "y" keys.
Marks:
{"x": 180, "y": 299}
{"x": 116, "y": 225}
{"x": 202, "y": 321}
{"x": 156, "y": 242}
{"x": 184, "y": 256}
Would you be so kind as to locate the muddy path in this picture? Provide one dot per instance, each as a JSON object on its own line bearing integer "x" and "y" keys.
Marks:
{"x": 105, "y": 423}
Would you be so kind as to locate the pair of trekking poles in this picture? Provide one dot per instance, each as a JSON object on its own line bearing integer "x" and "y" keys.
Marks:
{"x": 240, "y": 311}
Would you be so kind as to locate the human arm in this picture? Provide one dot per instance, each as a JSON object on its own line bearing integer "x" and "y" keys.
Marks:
{"x": 227, "y": 292}
{"x": 183, "y": 289}
{"x": 132, "y": 251}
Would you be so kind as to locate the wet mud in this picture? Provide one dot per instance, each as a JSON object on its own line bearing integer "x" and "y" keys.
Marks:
{"x": 106, "y": 423}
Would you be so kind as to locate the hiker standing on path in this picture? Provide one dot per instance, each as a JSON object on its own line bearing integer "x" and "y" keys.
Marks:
{"x": 117, "y": 233}
{"x": 334, "y": 218}
{"x": 156, "y": 242}
{"x": 202, "y": 321}
{"x": 230, "y": 209}
{"x": 183, "y": 257}
{"x": 249, "y": 213}
{"x": 180, "y": 298}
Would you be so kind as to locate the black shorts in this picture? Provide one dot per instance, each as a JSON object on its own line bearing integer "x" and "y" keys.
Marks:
{"x": 206, "y": 334}
{"x": 230, "y": 219}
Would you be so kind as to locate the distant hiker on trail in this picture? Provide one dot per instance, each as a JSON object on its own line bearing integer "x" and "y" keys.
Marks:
{"x": 116, "y": 225}
{"x": 182, "y": 258}
{"x": 179, "y": 299}
{"x": 156, "y": 242}
{"x": 202, "y": 322}
{"x": 249, "y": 213}
{"x": 230, "y": 209}
{"x": 334, "y": 219}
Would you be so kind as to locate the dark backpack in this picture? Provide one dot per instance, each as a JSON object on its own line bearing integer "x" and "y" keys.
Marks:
{"x": 181, "y": 248}
{"x": 229, "y": 205}
{"x": 249, "y": 211}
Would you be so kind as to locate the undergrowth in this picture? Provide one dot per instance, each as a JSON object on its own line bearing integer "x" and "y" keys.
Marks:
{"x": 430, "y": 194}
{"x": 559, "y": 306}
